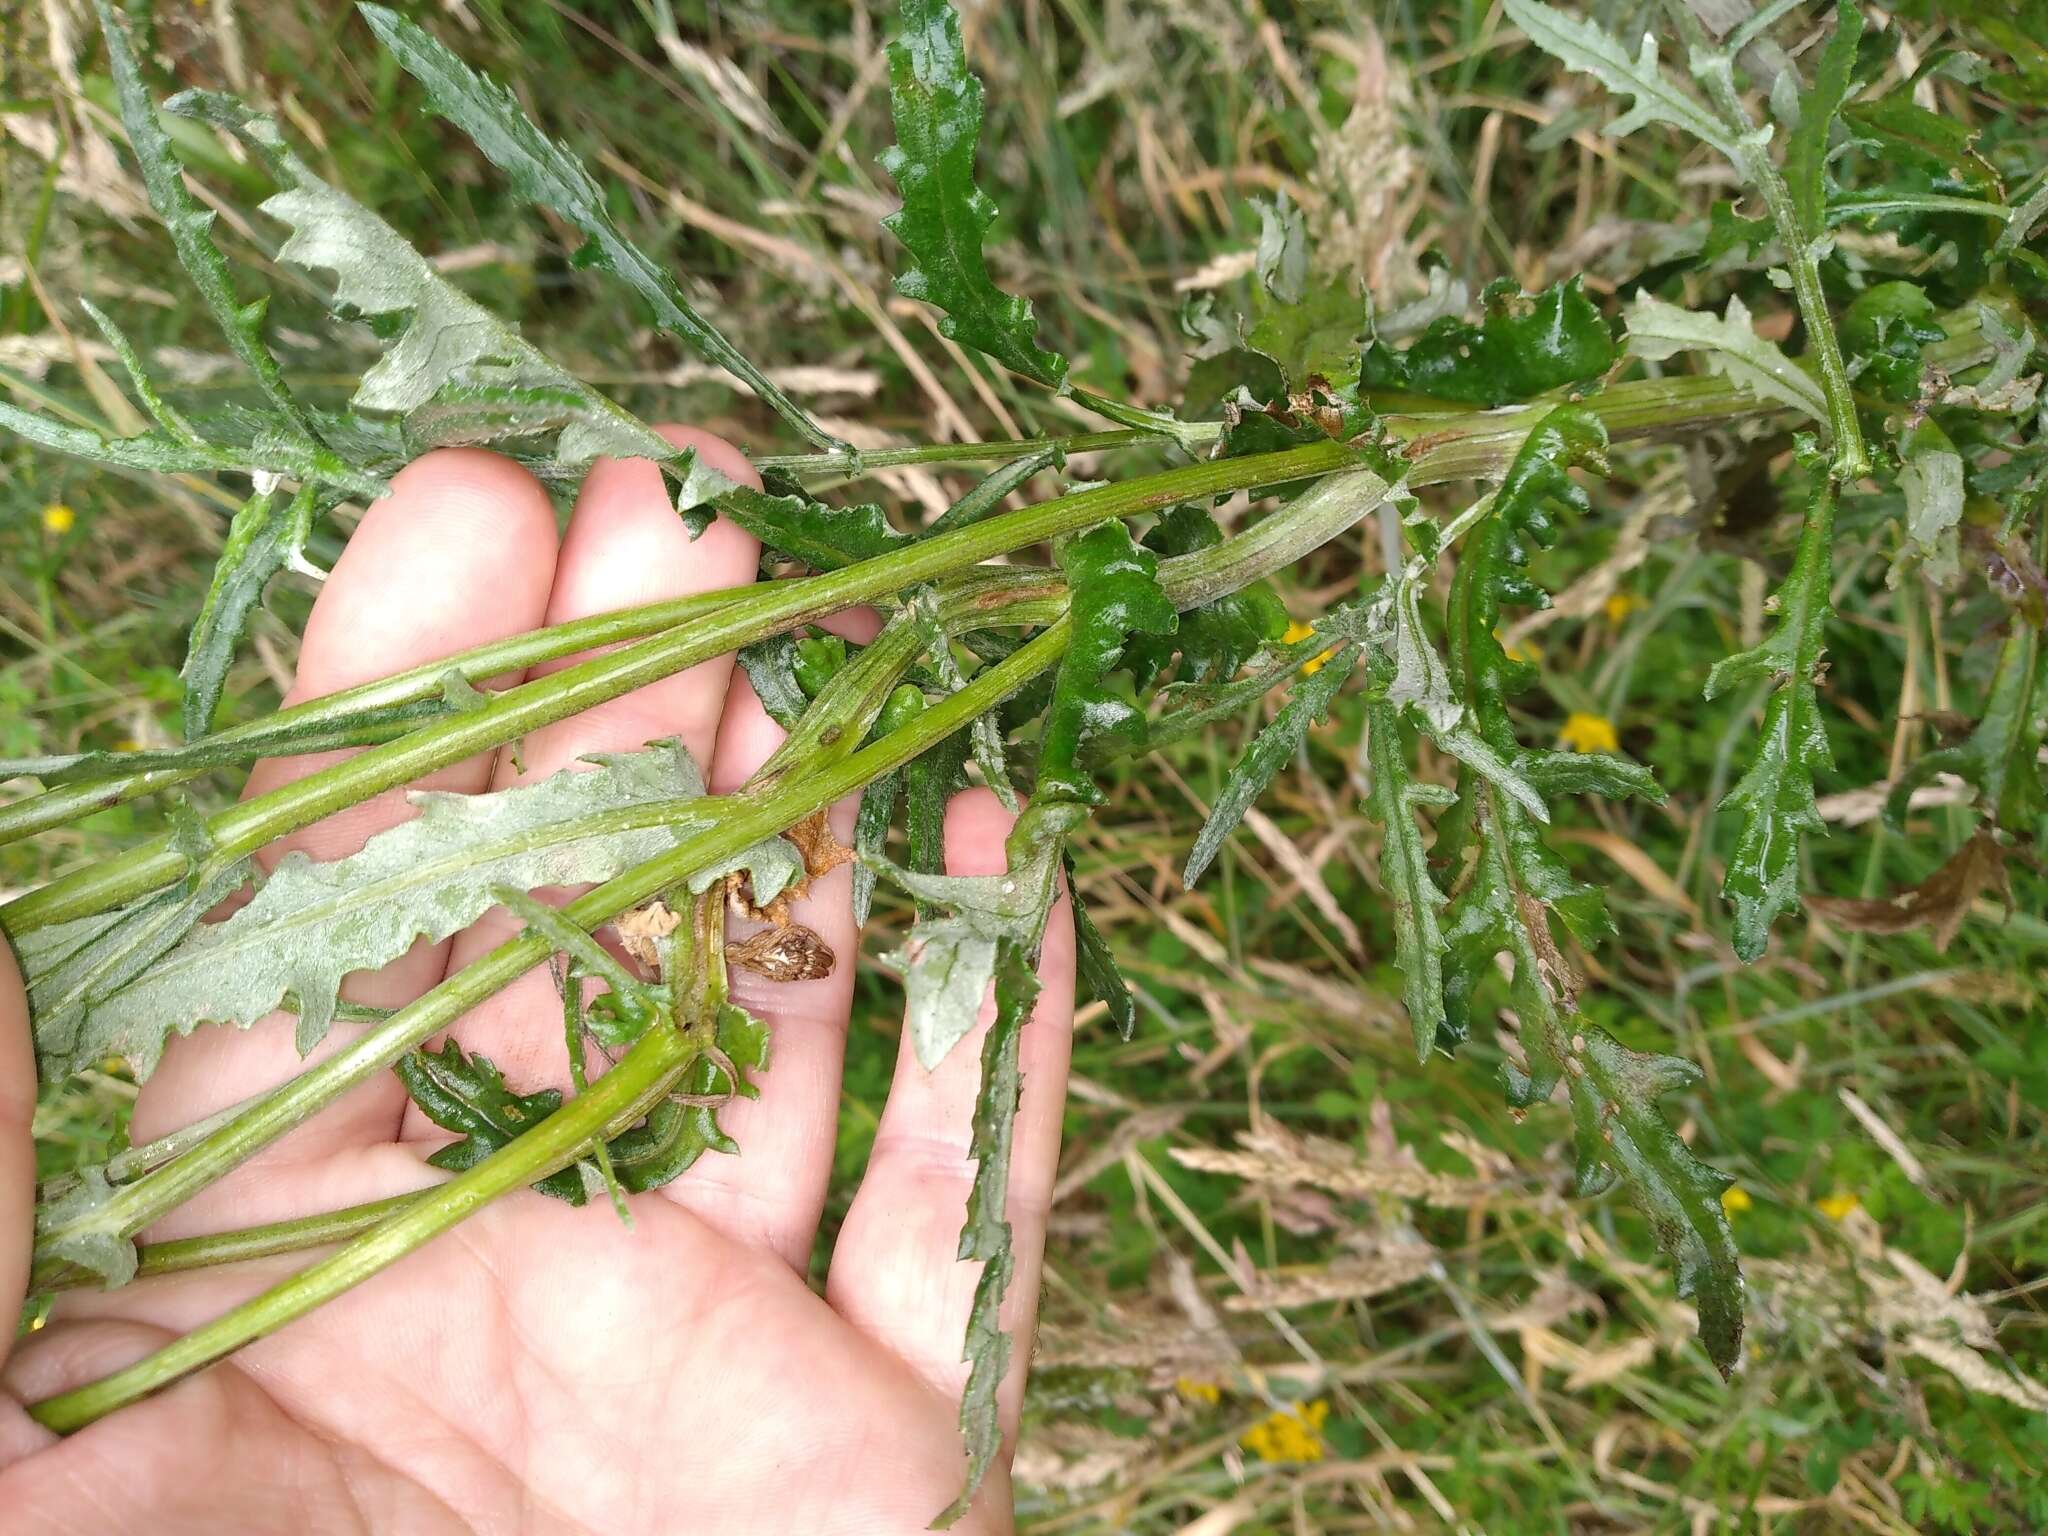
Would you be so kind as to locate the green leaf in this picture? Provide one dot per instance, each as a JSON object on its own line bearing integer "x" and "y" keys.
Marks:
{"x": 1271, "y": 750}
{"x": 78, "y": 1238}
{"x": 1317, "y": 339}
{"x": 683, "y": 1127}
{"x": 1883, "y": 333}
{"x": 1404, "y": 874}
{"x": 870, "y": 837}
{"x": 2000, "y": 756}
{"x": 985, "y": 1239}
{"x": 542, "y": 172}
{"x": 1095, "y": 962}
{"x": 446, "y": 350}
{"x": 262, "y": 540}
{"x": 1218, "y": 638}
{"x": 1116, "y": 594}
{"x": 1523, "y": 346}
{"x": 1621, "y": 1132}
{"x": 1806, "y": 147}
{"x": 1727, "y": 229}
{"x": 936, "y": 103}
{"x": 1775, "y": 797}
{"x": 1931, "y": 479}
{"x": 988, "y": 495}
{"x": 467, "y": 1094}
{"x": 70, "y": 966}
{"x": 1730, "y": 346}
{"x": 822, "y": 536}
{"x": 1582, "y": 46}
{"x": 268, "y": 452}
{"x": 190, "y": 224}
{"x": 1901, "y": 125}
{"x": 965, "y": 922}
{"x": 311, "y": 924}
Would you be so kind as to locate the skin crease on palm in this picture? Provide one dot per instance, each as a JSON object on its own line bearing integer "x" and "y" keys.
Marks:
{"x": 540, "y": 1368}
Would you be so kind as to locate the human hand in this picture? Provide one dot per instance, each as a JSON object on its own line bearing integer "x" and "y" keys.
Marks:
{"x": 542, "y": 1367}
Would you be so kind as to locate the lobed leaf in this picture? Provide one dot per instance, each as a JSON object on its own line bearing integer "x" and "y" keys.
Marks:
{"x": 542, "y": 172}
{"x": 1404, "y": 874}
{"x": 2000, "y": 756}
{"x": 1271, "y": 750}
{"x": 263, "y": 539}
{"x": 1216, "y": 639}
{"x": 985, "y": 1238}
{"x": 1622, "y": 1133}
{"x": 1115, "y": 595}
{"x": 1523, "y": 346}
{"x": 446, "y": 350}
{"x": 935, "y": 101}
{"x": 311, "y": 924}
{"x": 1775, "y": 796}
{"x": 467, "y": 1094}
{"x": 1589, "y": 49}
{"x": 1730, "y": 345}
{"x": 822, "y": 536}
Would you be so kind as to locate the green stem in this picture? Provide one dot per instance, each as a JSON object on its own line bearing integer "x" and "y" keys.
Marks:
{"x": 621, "y": 1096}
{"x": 768, "y": 610}
{"x": 742, "y": 821}
{"x": 1715, "y": 67}
{"x": 975, "y": 453}
{"x": 183, "y": 1254}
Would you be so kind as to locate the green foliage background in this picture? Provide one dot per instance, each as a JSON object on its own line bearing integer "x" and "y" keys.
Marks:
{"x": 1537, "y": 1374}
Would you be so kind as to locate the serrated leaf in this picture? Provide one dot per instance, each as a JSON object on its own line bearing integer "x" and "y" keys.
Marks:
{"x": 467, "y": 1094}
{"x": 1806, "y": 147}
{"x": 448, "y": 353}
{"x": 1216, "y": 639}
{"x": 268, "y": 452}
{"x": 1523, "y": 345}
{"x": 1774, "y": 798}
{"x": 1095, "y": 962}
{"x": 935, "y": 101}
{"x": 1116, "y": 594}
{"x": 1730, "y": 346}
{"x": 985, "y": 1238}
{"x": 311, "y": 924}
{"x": 1883, "y": 333}
{"x": 1316, "y": 339}
{"x": 77, "y": 1239}
{"x": 819, "y": 534}
{"x": 1614, "y": 1094}
{"x": 1271, "y": 750}
{"x": 1582, "y": 46}
{"x": 2000, "y": 756}
{"x": 190, "y": 224}
{"x": 682, "y": 1128}
{"x": 965, "y": 921}
{"x": 263, "y": 539}
{"x": 542, "y": 172}
{"x": 1404, "y": 874}
{"x": 1931, "y": 479}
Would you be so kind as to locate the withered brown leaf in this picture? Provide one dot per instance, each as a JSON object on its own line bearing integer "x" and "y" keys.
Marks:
{"x": 1941, "y": 901}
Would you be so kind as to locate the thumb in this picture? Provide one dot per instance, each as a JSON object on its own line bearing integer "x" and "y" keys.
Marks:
{"x": 17, "y": 1150}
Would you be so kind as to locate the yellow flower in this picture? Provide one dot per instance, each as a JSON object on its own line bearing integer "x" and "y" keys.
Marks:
{"x": 1293, "y": 1434}
{"x": 1837, "y": 1207}
{"x": 1589, "y": 733}
{"x": 1620, "y": 606}
{"x": 1199, "y": 1391}
{"x": 1298, "y": 632}
{"x": 1735, "y": 1198}
{"x": 58, "y": 518}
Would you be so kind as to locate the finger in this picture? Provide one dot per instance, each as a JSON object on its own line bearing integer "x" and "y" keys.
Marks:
{"x": 461, "y": 552}
{"x": 17, "y": 1147}
{"x": 625, "y": 546}
{"x": 773, "y": 1192}
{"x": 894, "y": 1273}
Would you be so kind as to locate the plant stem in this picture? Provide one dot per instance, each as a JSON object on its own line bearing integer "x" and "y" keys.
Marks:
{"x": 974, "y": 453}
{"x": 767, "y": 610}
{"x": 621, "y": 1095}
{"x": 183, "y": 1254}
{"x": 1716, "y": 69}
{"x": 740, "y": 822}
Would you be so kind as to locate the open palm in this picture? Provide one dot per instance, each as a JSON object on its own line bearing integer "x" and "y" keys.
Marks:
{"x": 542, "y": 1367}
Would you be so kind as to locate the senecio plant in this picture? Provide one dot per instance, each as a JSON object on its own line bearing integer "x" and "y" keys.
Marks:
{"x": 1908, "y": 387}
